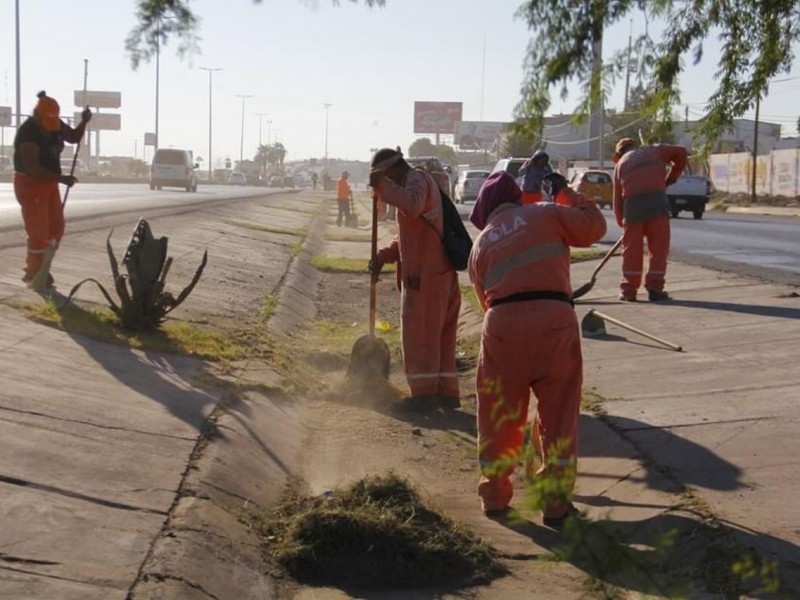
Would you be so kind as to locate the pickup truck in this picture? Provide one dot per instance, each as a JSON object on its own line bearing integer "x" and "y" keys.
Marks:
{"x": 689, "y": 192}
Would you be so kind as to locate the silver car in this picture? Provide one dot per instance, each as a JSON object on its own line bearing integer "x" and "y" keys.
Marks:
{"x": 468, "y": 185}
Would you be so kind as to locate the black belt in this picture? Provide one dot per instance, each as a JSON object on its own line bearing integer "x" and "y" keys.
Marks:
{"x": 539, "y": 295}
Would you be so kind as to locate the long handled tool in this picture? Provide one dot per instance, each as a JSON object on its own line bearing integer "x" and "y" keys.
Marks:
{"x": 593, "y": 325}
{"x": 590, "y": 284}
{"x": 39, "y": 281}
{"x": 370, "y": 357}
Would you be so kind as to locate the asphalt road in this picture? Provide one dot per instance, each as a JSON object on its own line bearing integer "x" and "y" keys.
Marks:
{"x": 107, "y": 198}
{"x": 760, "y": 246}
{"x": 766, "y": 247}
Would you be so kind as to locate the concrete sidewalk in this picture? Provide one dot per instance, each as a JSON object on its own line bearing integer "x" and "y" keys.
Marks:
{"x": 720, "y": 418}
{"x": 96, "y": 439}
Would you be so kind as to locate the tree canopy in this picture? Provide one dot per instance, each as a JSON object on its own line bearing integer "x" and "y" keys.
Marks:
{"x": 425, "y": 147}
{"x": 757, "y": 37}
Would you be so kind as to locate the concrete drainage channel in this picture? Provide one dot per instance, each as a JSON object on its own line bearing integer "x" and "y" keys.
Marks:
{"x": 249, "y": 447}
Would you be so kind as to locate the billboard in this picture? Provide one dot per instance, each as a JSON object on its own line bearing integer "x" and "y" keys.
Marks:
{"x": 436, "y": 117}
{"x": 479, "y": 135}
{"x": 106, "y": 121}
{"x": 98, "y": 99}
{"x": 5, "y": 116}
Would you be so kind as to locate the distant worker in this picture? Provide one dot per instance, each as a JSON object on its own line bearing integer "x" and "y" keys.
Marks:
{"x": 642, "y": 210}
{"x": 430, "y": 295}
{"x": 326, "y": 181}
{"x": 531, "y": 174}
{"x": 37, "y": 172}
{"x": 530, "y": 341}
{"x": 314, "y": 179}
{"x": 344, "y": 196}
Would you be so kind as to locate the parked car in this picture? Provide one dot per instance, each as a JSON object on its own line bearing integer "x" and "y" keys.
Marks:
{"x": 468, "y": 185}
{"x": 173, "y": 168}
{"x": 689, "y": 192}
{"x": 288, "y": 181}
{"x": 509, "y": 165}
{"x": 596, "y": 185}
{"x": 237, "y": 178}
{"x": 276, "y": 181}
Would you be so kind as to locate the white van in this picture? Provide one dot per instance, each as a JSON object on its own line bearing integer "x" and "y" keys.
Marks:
{"x": 173, "y": 168}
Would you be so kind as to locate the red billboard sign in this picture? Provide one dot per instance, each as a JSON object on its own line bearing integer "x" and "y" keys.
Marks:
{"x": 436, "y": 117}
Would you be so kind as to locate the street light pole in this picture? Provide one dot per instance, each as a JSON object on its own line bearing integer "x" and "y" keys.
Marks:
{"x": 327, "y": 105}
{"x": 19, "y": 85}
{"x": 241, "y": 143}
{"x": 260, "y": 118}
{"x": 158, "y": 68}
{"x": 210, "y": 164}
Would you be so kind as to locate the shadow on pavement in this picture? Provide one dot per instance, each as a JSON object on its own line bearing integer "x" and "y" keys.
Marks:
{"x": 747, "y": 309}
{"x": 159, "y": 376}
{"x": 675, "y": 552}
{"x": 708, "y": 470}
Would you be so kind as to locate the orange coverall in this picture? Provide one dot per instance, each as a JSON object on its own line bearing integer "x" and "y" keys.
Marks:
{"x": 430, "y": 296}
{"x": 343, "y": 195}
{"x": 40, "y": 200}
{"x": 642, "y": 210}
{"x": 531, "y": 197}
{"x": 530, "y": 344}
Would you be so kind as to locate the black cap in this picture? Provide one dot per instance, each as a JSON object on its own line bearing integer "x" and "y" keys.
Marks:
{"x": 383, "y": 154}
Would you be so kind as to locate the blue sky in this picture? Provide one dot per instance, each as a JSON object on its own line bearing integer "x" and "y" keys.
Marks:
{"x": 293, "y": 56}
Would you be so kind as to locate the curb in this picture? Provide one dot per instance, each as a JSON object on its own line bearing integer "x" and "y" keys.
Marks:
{"x": 204, "y": 547}
{"x": 764, "y": 210}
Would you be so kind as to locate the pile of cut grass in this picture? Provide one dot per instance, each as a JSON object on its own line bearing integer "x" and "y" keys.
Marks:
{"x": 374, "y": 534}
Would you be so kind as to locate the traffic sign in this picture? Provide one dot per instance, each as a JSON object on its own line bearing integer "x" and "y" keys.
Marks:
{"x": 149, "y": 139}
{"x": 5, "y": 116}
{"x": 103, "y": 121}
{"x": 98, "y": 99}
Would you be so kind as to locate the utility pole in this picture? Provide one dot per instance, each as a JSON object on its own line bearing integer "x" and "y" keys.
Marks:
{"x": 628, "y": 67}
{"x": 327, "y": 105}
{"x": 596, "y": 86}
{"x": 755, "y": 153}
{"x": 210, "y": 163}
{"x": 87, "y": 130}
{"x": 483, "y": 74}
{"x": 241, "y": 143}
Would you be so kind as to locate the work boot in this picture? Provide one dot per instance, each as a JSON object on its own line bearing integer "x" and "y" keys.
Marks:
{"x": 426, "y": 403}
{"x": 627, "y": 296}
{"x": 559, "y": 522}
{"x": 657, "y": 295}
{"x": 449, "y": 402}
{"x": 50, "y": 283}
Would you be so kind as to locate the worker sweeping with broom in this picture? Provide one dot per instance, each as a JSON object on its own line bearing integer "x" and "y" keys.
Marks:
{"x": 431, "y": 297}
{"x": 37, "y": 172}
{"x": 520, "y": 270}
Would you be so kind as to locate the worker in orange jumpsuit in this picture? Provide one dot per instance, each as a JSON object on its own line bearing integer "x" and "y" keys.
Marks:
{"x": 430, "y": 294}
{"x": 642, "y": 210}
{"x": 530, "y": 341}
{"x": 531, "y": 174}
{"x": 38, "y": 144}
{"x": 344, "y": 195}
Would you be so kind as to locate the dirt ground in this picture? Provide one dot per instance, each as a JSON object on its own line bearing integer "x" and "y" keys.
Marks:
{"x": 353, "y": 433}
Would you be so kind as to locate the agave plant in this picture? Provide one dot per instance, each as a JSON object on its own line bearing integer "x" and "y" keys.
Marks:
{"x": 143, "y": 303}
